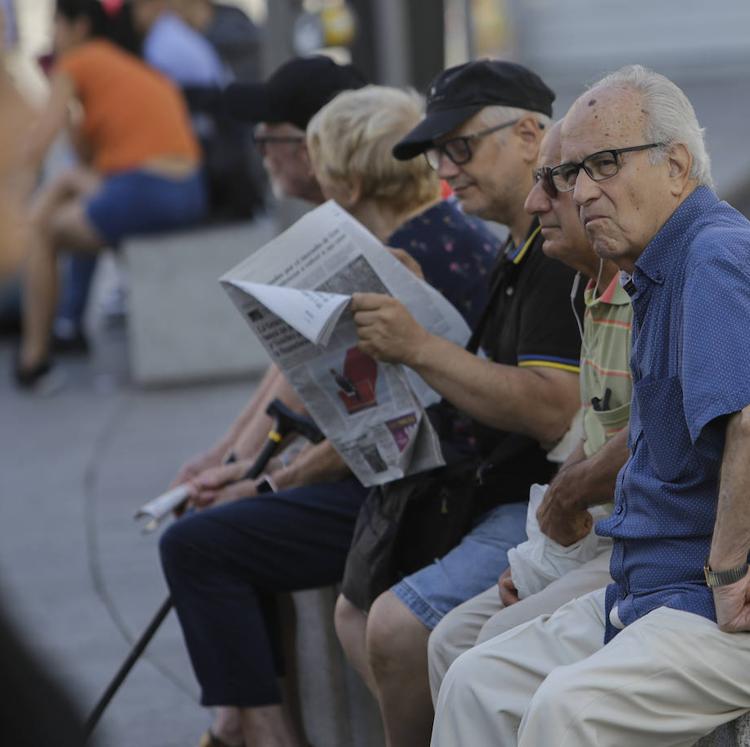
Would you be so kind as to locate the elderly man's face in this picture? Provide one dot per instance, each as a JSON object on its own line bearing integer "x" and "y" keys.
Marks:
{"x": 487, "y": 186}
{"x": 564, "y": 237}
{"x": 624, "y": 212}
{"x": 286, "y": 161}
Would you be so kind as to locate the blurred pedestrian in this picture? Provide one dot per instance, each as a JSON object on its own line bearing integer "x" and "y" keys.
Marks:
{"x": 142, "y": 169}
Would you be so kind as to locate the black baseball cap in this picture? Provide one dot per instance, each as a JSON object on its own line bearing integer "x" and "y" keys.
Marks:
{"x": 294, "y": 93}
{"x": 459, "y": 92}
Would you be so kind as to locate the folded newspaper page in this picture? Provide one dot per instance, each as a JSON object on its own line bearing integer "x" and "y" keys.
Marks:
{"x": 294, "y": 293}
{"x": 163, "y": 505}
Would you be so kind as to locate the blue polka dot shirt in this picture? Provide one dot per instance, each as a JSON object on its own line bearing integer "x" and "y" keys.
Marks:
{"x": 691, "y": 367}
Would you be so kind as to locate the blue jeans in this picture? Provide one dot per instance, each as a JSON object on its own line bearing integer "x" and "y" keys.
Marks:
{"x": 468, "y": 569}
{"x": 127, "y": 204}
{"x": 224, "y": 565}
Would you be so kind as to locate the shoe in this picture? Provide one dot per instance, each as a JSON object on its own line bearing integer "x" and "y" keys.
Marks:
{"x": 41, "y": 379}
{"x": 211, "y": 740}
{"x": 75, "y": 344}
{"x": 68, "y": 338}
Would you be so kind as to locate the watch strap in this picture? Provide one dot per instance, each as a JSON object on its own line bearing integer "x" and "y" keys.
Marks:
{"x": 724, "y": 578}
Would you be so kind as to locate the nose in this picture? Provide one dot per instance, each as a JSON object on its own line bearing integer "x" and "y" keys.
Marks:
{"x": 586, "y": 189}
{"x": 537, "y": 201}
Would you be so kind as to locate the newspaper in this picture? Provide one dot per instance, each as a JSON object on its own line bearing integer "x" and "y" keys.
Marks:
{"x": 163, "y": 505}
{"x": 294, "y": 293}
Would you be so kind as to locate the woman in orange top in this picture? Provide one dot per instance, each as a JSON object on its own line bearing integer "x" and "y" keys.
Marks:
{"x": 143, "y": 171}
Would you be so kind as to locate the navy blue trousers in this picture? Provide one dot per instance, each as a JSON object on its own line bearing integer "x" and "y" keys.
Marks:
{"x": 224, "y": 566}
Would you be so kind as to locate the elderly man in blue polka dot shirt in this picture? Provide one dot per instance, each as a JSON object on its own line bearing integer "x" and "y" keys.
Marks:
{"x": 662, "y": 655}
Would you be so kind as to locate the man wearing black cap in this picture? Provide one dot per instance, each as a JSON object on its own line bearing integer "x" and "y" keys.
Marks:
{"x": 282, "y": 108}
{"x": 481, "y": 133}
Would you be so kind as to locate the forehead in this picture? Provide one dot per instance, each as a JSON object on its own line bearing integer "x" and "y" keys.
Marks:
{"x": 602, "y": 118}
{"x": 549, "y": 151}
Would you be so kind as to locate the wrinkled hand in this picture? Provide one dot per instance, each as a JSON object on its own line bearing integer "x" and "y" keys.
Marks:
{"x": 195, "y": 465}
{"x": 387, "y": 331}
{"x": 407, "y": 261}
{"x": 733, "y": 606}
{"x": 221, "y": 485}
{"x": 507, "y": 589}
{"x": 566, "y": 527}
{"x": 562, "y": 515}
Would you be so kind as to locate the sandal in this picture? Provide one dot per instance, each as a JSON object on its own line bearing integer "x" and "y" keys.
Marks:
{"x": 209, "y": 739}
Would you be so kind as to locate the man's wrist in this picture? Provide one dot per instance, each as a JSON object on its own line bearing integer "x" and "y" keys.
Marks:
{"x": 724, "y": 576}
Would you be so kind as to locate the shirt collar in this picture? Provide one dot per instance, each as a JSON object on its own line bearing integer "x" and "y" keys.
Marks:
{"x": 516, "y": 255}
{"x": 614, "y": 294}
{"x": 667, "y": 247}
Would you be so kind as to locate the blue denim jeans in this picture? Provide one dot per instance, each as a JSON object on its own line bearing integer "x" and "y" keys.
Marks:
{"x": 468, "y": 569}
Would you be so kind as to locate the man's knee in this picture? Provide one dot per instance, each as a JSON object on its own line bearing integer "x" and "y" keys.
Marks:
{"x": 395, "y": 637}
{"x": 555, "y": 698}
{"x": 460, "y": 677}
{"x": 346, "y": 617}
{"x": 179, "y": 543}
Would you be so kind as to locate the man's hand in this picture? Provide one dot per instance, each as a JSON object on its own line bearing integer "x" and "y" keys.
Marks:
{"x": 197, "y": 464}
{"x": 221, "y": 485}
{"x": 387, "y": 331}
{"x": 733, "y": 606}
{"x": 507, "y": 589}
{"x": 567, "y": 528}
{"x": 562, "y": 516}
{"x": 407, "y": 261}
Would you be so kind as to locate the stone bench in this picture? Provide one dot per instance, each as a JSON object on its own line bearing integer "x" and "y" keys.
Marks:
{"x": 337, "y": 708}
{"x": 182, "y": 327}
{"x": 734, "y": 734}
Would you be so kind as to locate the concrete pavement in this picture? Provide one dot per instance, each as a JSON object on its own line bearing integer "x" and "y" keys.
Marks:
{"x": 75, "y": 572}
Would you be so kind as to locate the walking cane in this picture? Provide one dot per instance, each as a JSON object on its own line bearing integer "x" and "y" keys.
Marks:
{"x": 286, "y": 422}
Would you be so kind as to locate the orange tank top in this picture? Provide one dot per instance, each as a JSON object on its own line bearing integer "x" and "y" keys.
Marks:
{"x": 131, "y": 113}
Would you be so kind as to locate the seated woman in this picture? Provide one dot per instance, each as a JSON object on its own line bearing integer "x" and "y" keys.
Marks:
{"x": 143, "y": 174}
{"x": 225, "y": 565}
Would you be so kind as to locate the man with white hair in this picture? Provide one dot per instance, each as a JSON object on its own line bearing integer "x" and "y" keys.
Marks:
{"x": 659, "y": 656}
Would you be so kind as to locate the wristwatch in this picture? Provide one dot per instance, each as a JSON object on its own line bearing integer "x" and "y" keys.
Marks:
{"x": 724, "y": 578}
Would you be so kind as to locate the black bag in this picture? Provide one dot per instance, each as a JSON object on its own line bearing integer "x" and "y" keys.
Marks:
{"x": 406, "y": 525}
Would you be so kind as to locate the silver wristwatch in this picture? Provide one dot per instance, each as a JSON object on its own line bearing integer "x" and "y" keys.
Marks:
{"x": 724, "y": 578}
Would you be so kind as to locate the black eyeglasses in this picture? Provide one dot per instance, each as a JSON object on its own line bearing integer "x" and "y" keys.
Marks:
{"x": 458, "y": 149}
{"x": 544, "y": 175}
{"x": 263, "y": 141}
{"x": 603, "y": 164}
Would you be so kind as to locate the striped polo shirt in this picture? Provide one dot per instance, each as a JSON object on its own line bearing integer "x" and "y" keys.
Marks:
{"x": 606, "y": 382}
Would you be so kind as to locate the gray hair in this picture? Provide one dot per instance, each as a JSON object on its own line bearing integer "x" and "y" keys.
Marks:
{"x": 670, "y": 117}
{"x": 497, "y": 115}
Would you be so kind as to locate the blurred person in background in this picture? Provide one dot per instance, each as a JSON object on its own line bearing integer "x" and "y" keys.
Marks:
{"x": 142, "y": 169}
{"x": 245, "y": 551}
{"x": 173, "y": 47}
{"x": 34, "y": 709}
{"x": 236, "y": 184}
{"x": 233, "y": 34}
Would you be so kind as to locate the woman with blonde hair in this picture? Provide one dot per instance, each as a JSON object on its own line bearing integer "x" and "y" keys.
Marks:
{"x": 350, "y": 142}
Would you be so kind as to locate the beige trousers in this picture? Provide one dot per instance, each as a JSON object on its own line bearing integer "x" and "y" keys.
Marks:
{"x": 665, "y": 680}
{"x": 484, "y": 616}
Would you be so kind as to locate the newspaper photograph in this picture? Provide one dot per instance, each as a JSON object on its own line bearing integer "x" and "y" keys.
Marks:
{"x": 294, "y": 293}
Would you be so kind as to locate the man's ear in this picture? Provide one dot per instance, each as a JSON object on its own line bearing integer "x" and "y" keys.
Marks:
{"x": 680, "y": 163}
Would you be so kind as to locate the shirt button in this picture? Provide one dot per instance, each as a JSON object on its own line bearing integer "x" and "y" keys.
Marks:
{"x": 619, "y": 509}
